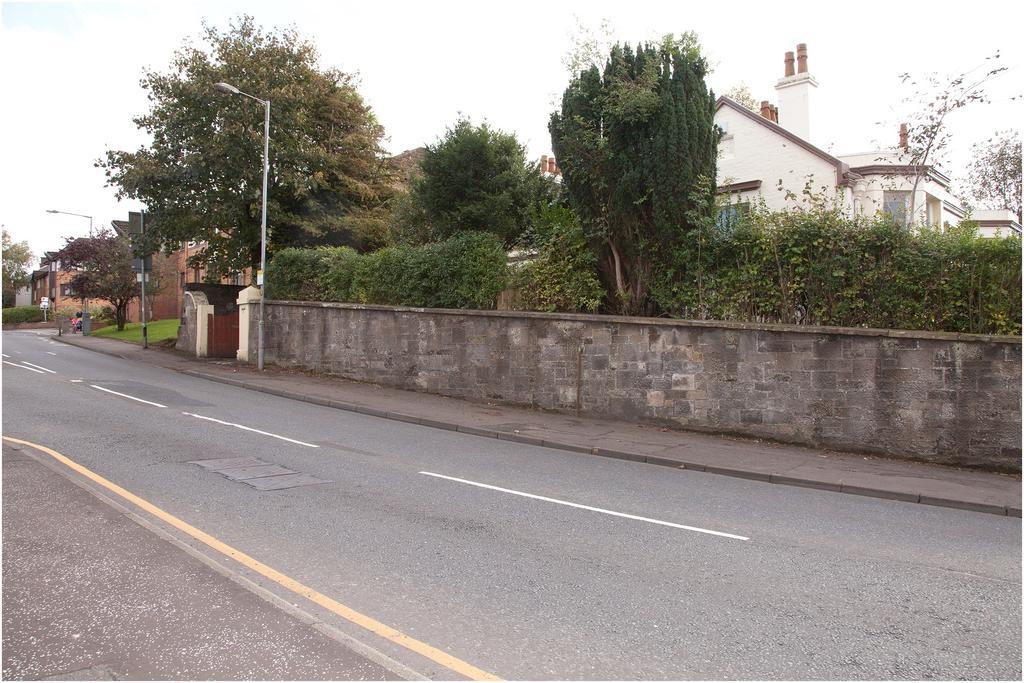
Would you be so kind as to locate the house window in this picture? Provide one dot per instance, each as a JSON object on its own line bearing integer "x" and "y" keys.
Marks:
{"x": 896, "y": 204}
{"x": 729, "y": 215}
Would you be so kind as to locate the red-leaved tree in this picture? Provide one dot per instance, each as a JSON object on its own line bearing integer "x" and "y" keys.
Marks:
{"x": 102, "y": 267}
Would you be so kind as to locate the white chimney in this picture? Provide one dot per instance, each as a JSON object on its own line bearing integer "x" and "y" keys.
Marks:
{"x": 795, "y": 95}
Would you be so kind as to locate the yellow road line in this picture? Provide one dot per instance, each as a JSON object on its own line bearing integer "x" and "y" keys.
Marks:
{"x": 347, "y": 613}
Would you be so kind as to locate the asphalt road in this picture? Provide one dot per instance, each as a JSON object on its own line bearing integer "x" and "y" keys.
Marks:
{"x": 512, "y": 559}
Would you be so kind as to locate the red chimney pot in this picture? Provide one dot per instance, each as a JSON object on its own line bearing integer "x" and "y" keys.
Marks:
{"x": 789, "y": 64}
{"x": 801, "y": 58}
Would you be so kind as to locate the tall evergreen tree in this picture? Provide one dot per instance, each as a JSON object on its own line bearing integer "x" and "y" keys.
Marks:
{"x": 637, "y": 146}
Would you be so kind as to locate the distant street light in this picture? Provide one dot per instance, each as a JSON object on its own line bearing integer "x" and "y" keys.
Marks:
{"x": 85, "y": 300}
{"x": 229, "y": 89}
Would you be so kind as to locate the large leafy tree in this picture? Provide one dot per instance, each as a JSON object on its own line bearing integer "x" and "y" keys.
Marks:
{"x": 201, "y": 176}
{"x": 474, "y": 179}
{"x": 102, "y": 267}
{"x": 17, "y": 257}
{"x": 637, "y": 145}
{"x": 994, "y": 177}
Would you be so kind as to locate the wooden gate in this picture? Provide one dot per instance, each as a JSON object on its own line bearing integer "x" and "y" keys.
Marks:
{"x": 222, "y": 335}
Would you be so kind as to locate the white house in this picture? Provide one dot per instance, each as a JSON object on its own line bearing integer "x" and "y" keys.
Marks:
{"x": 768, "y": 155}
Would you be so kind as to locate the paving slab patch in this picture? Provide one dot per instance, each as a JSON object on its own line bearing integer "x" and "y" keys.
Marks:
{"x": 285, "y": 481}
{"x": 246, "y": 473}
{"x": 224, "y": 463}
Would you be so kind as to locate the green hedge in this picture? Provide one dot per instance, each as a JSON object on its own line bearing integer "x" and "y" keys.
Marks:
{"x": 23, "y": 314}
{"x": 822, "y": 268}
{"x": 465, "y": 271}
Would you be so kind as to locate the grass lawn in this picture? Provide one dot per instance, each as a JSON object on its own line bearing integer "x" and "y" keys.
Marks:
{"x": 158, "y": 330}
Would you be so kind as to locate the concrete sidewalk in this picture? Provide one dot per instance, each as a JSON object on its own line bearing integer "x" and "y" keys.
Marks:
{"x": 747, "y": 458}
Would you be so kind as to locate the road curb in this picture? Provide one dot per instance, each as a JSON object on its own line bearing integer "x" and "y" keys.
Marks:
{"x": 754, "y": 475}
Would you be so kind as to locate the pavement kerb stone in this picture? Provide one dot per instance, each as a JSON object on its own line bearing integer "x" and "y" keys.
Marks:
{"x": 754, "y": 475}
{"x": 519, "y": 438}
{"x": 664, "y": 462}
{"x": 620, "y": 455}
{"x": 881, "y": 493}
{"x": 806, "y": 483}
{"x": 741, "y": 474}
{"x": 964, "y": 505}
{"x": 567, "y": 447}
{"x": 476, "y": 431}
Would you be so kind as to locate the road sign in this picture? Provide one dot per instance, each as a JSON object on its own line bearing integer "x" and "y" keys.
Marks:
{"x": 45, "y": 302}
{"x": 138, "y": 266}
{"x": 137, "y": 229}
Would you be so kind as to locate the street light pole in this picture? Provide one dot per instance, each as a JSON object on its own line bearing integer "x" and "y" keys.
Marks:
{"x": 232, "y": 90}
{"x": 85, "y": 300}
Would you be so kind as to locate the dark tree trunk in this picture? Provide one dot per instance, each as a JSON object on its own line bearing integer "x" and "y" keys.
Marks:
{"x": 121, "y": 314}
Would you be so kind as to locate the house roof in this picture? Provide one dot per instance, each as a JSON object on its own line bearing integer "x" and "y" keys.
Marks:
{"x": 406, "y": 167}
{"x": 843, "y": 174}
{"x": 903, "y": 169}
{"x": 120, "y": 227}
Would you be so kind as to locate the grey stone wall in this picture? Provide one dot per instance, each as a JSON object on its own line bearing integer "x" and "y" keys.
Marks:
{"x": 942, "y": 397}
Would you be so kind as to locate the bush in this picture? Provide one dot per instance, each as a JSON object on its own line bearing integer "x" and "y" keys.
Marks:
{"x": 820, "y": 267}
{"x": 23, "y": 314}
{"x": 563, "y": 277}
{"x": 339, "y": 267}
{"x": 294, "y": 274}
{"x": 465, "y": 271}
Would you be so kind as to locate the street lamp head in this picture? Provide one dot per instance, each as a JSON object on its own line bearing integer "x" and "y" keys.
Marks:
{"x": 226, "y": 88}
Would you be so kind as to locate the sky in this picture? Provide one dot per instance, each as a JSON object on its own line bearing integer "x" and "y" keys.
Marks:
{"x": 69, "y": 73}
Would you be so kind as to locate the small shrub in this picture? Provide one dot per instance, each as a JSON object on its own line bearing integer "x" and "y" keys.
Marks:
{"x": 563, "y": 277}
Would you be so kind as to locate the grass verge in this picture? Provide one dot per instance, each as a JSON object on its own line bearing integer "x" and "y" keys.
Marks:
{"x": 158, "y": 330}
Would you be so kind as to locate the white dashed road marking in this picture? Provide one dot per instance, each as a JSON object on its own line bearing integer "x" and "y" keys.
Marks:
{"x": 588, "y": 507}
{"x": 23, "y": 367}
{"x": 118, "y": 393}
{"x": 250, "y": 429}
{"x": 40, "y": 367}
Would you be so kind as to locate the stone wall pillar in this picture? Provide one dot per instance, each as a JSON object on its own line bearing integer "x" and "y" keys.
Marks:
{"x": 248, "y": 305}
{"x": 203, "y": 313}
